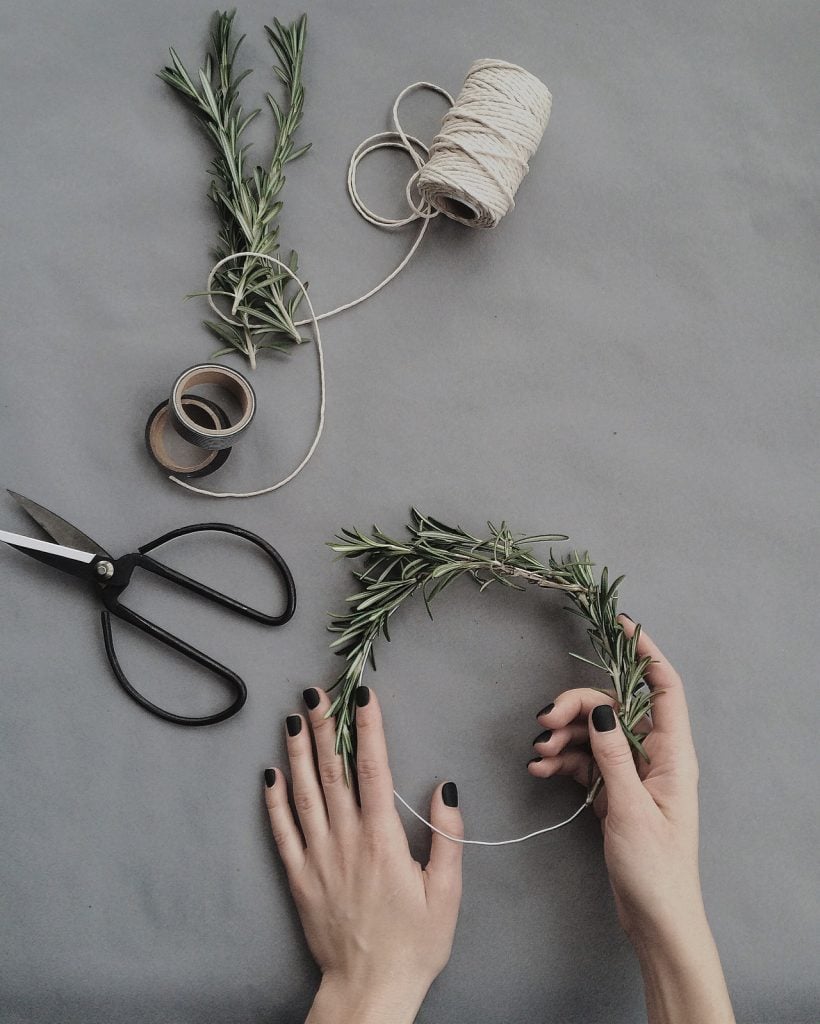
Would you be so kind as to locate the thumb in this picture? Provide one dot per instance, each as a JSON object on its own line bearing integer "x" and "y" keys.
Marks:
{"x": 443, "y": 871}
{"x": 613, "y": 755}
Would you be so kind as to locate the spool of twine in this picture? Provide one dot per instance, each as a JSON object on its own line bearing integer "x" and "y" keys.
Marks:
{"x": 482, "y": 151}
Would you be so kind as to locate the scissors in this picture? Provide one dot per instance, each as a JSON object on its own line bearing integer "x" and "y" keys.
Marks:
{"x": 76, "y": 554}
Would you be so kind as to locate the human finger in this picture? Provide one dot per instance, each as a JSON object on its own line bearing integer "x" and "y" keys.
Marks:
{"x": 571, "y": 705}
{"x": 372, "y": 768}
{"x": 613, "y": 756}
{"x": 670, "y": 715}
{"x": 443, "y": 871}
{"x": 307, "y": 793}
{"x": 339, "y": 796}
{"x": 553, "y": 741}
{"x": 285, "y": 832}
{"x": 575, "y": 763}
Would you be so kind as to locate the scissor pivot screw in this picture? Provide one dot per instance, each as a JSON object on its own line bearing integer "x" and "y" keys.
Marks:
{"x": 105, "y": 570}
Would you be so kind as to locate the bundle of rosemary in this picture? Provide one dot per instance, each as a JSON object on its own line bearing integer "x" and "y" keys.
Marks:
{"x": 262, "y": 306}
{"x": 433, "y": 557}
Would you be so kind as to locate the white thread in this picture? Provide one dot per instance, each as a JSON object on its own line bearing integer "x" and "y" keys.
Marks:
{"x": 485, "y": 842}
{"x": 409, "y": 144}
{"x": 473, "y": 166}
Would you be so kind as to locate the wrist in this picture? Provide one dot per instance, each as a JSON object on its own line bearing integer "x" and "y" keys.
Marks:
{"x": 681, "y": 969}
{"x": 671, "y": 936}
{"x": 668, "y": 925}
{"x": 389, "y": 999}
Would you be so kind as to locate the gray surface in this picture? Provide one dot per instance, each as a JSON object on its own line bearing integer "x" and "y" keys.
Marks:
{"x": 631, "y": 358}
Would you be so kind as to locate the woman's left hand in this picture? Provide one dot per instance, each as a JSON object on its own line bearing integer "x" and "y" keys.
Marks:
{"x": 378, "y": 924}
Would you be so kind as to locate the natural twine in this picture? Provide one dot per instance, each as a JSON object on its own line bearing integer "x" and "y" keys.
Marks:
{"x": 470, "y": 172}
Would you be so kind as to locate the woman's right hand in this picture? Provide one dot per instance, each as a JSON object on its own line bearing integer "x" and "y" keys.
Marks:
{"x": 649, "y": 819}
{"x": 649, "y": 816}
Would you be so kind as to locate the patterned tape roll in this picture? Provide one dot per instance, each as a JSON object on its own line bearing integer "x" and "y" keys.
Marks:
{"x": 201, "y": 463}
{"x": 211, "y": 438}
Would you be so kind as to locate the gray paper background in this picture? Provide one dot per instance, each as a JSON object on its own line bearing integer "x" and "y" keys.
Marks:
{"x": 631, "y": 358}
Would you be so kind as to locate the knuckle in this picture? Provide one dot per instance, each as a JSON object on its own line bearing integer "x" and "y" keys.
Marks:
{"x": 331, "y": 771}
{"x": 304, "y": 802}
{"x": 368, "y": 768}
{"x": 280, "y": 836}
{"x": 454, "y": 828}
{"x": 321, "y": 723}
{"x": 364, "y": 721}
{"x": 618, "y": 757}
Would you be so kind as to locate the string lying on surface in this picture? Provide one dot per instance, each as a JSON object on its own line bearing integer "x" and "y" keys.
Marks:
{"x": 494, "y": 842}
{"x": 470, "y": 173}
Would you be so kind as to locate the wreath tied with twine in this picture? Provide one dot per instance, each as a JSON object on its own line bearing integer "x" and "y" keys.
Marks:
{"x": 434, "y": 556}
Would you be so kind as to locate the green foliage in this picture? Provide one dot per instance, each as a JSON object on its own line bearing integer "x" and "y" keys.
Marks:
{"x": 246, "y": 203}
{"x": 433, "y": 557}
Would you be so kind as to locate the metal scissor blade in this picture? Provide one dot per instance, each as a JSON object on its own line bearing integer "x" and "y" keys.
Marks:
{"x": 70, "y": 560}
{"x": 56, "y": 527}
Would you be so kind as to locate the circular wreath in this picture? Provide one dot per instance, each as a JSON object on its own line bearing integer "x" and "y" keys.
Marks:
{"x": 433, "y": 557}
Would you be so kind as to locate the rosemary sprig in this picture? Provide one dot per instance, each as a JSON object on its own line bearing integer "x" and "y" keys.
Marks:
{"x": 433, "y": 557}
{"x": 247, "y": 204}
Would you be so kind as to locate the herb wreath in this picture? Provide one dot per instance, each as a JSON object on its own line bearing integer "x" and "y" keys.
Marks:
{"x": 247, "y": 205}
{"x": 432, "y": 558}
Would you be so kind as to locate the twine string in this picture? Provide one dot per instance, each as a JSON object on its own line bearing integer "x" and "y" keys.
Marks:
{"x": 490, "y": 842}
{"x": 470, "y": 172}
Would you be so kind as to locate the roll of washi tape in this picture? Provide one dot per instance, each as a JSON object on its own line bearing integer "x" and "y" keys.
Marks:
{"x": 201, "y": 462}
{"x": 211, "y": 438}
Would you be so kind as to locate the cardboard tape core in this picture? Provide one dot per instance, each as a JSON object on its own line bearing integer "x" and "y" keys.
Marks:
{"x": 215, "y": 437}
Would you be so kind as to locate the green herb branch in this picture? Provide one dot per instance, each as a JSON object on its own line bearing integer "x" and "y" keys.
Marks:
{"x": 258, "y": 294}
{"x": 435, "y": 555}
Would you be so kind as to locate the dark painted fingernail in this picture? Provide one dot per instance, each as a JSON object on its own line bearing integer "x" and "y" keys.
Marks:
{"x": 546, "y": 710}
{"x": 311, "y": 697}
{"x": 603, "y": 718}
{"x": 362, "y": 695}
{"x": 542, "y": 737}
{"x": 449, "y": 794}
{"x": 294, "y": 725}
{"x": 270, "y": 777}
{"x": 535, "y": 760}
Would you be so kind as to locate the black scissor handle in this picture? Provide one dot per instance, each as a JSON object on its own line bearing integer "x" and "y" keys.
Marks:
{"x": 151, "y": 565}
{"x": 113, "y": 607}
{"x": 123, "y": 569}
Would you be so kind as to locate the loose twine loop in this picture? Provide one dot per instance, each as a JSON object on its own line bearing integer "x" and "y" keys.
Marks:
{"x": 470, "y": 172}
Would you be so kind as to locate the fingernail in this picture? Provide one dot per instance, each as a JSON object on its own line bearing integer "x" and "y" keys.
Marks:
{"x": 449, "y": 794}
{"x": 626, "y": 616}
{"x": 542, "y": 737}
{"x": 311, "y": 697}
{"x": 546, "y": 710}
{"x": 294, "y": 725}
{"x": 270, "y": 777}
{"x": 362, "y": 695}
{"x": 603, "y": 718}
{"x": 535, "y": 760}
